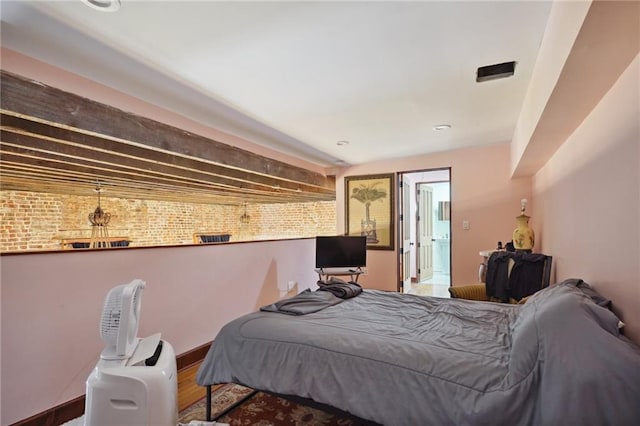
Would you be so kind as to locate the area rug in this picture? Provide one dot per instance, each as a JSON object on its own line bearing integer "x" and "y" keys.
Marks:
{"x": 265, "y": 409}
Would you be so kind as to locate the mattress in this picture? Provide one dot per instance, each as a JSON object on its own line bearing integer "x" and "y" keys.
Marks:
{"x": 400, "y": 359}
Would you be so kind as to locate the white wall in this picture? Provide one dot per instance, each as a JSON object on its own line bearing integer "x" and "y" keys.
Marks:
{"x": 441, "y": 193}
{"x": 52, "y": 302}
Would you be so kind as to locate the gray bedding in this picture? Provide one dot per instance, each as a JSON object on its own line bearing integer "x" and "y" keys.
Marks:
{"x": 407, "y": 360}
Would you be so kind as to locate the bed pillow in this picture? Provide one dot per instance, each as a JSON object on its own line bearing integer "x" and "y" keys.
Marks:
{"x": 594, "y": 295}
{"x": 572, "y": 305}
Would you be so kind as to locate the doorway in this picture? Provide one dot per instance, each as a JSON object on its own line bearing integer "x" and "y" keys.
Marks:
{"x": 425, "y": 232}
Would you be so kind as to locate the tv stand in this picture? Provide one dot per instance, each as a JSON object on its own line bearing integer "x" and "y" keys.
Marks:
{"x": 325, "y": 273}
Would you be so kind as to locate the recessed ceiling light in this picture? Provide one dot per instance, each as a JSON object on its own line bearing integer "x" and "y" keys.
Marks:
{"x": 103, "y": 5}
{"x": 342, "y": 143}
{"x": 442, "y": 127}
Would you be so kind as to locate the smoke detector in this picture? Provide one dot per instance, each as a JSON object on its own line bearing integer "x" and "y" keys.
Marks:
{"x": 103, "y": 5}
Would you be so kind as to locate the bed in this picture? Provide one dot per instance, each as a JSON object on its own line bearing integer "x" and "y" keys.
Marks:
{"x": 399, "y": 359}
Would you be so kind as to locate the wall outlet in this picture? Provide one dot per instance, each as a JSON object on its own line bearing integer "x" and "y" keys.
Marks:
{"x": 465, "y": 225}
{"x": 292, "y": 285}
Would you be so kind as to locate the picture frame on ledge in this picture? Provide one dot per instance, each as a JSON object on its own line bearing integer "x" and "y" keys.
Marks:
{"x": 369, "y": 209}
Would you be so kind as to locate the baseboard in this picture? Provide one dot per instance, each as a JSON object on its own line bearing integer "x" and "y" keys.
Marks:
{"x": 191, "y": 357}
{"x": 57, "y": 415}
{"x": 75, "y": 408}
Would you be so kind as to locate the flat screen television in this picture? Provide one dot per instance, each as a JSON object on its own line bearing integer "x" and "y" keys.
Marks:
{"x": 341, "y": 252}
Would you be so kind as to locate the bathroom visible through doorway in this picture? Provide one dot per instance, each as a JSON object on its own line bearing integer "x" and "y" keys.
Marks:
{"x": 426, "y": 232}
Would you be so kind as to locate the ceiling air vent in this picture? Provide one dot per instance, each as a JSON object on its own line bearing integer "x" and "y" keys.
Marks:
{"x": 492, "y": 72}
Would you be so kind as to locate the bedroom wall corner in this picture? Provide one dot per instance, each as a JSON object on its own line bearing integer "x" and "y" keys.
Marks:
{"x": 588, "y": 199}
{"x": 483, "y": 193}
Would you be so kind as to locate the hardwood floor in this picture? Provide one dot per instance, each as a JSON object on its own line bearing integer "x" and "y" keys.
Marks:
{"x": 188, "y": 390}
{"x": 435, "y": 290}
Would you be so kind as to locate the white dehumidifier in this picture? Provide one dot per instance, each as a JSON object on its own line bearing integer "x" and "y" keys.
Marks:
{"x": 135, "y": 380}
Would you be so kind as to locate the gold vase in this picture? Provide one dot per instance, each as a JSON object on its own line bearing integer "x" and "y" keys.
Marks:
{"x": 523, "y": 236}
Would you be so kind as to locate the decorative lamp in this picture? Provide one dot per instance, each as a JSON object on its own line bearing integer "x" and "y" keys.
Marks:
{"x": 523, "y": 236}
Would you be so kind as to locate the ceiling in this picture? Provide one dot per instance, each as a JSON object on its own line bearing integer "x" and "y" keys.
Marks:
{"x": 298, "y": 77}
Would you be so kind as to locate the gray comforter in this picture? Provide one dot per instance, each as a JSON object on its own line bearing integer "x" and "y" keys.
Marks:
{"x": 409, "y": 360}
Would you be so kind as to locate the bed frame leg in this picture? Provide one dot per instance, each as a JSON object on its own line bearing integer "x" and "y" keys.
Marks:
{"x": 210, "y": 418}
{"x": 208, "y": 409}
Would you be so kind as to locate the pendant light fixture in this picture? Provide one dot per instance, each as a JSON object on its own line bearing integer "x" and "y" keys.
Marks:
{"x": 99, "y": 221}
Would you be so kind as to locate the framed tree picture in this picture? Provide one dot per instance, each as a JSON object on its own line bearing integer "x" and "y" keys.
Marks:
{"x": 369, "y": 209}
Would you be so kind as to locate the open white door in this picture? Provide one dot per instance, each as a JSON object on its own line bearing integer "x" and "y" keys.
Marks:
{"x": 405, "y": 229}
{"x": 425, "y": 232}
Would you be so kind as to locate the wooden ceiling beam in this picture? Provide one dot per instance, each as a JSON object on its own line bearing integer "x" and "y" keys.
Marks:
{"x": 20, "y": 180}
{"x": 69, "y": 156}
{"x": 74, "y": 142}
{"x": 82, "y": 180}
{"x": 88, "y": 177}
{"x": 70, "y": 117}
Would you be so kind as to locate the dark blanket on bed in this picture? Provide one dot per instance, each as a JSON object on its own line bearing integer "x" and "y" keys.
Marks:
{"x": 339, "y": 288}
{"x": 304, "y": 303}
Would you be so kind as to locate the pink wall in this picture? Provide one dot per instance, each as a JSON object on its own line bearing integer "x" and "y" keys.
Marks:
{"x": 588, "y": 198}
{"x": 52, "y": 302}
{"x": 482, "y": 192}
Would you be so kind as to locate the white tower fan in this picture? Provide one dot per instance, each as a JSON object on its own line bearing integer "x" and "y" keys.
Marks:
{"x": 135, "y": 380}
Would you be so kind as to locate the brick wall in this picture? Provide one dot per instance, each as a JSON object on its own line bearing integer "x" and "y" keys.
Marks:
{"x": 32, "y": 221}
